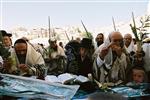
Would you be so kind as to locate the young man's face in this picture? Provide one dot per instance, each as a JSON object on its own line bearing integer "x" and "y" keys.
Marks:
{"x": 138, "y": 75}
{"x": 7, "y": 41}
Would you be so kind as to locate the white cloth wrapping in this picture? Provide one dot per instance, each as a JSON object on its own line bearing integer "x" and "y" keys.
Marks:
{"x": 131, "y": 47}
{"x": 32, "y": 56}
{"x": 29, "y": 88}
{"x": 59, "y": 52}
{"x": 1, "y": 60}
{"x": 146, "y": 49}
{"x": 108, "y": 58}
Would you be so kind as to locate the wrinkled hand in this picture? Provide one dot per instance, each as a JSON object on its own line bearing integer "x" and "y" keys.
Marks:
{"x": 7, "y": 65}
{"x": 117, "y": 49}
{"x": 103, "y": 52}
{"x": 23, "y": 68}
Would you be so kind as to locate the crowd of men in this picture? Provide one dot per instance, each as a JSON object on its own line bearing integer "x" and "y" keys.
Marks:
{"x": 114, "y": 59}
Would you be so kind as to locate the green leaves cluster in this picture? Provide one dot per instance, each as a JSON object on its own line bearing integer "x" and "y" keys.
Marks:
{"x": 141, "y": 31}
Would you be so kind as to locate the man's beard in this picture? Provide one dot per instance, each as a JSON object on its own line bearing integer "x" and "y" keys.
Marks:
{"x": 21, "y": 58}
{"x": 55, "y": 48}
{"x": 99, "y": 43}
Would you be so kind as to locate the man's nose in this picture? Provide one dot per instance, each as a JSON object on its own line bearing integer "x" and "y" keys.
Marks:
{"x": 21, "y": 52}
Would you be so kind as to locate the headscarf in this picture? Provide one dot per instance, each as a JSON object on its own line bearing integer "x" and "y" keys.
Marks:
{"x": 32, "y": 56}
{"x": 146, "y": 49}
{"x": 131, "y": 47}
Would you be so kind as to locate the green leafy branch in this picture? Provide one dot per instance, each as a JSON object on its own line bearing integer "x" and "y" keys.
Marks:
{"x": 89, "y": 35}
{"x": 141, "y": 31}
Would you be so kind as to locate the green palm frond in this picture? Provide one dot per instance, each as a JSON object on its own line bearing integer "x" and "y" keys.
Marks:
{"x": 140, "y": 31}
{"x": 88, "y": 34}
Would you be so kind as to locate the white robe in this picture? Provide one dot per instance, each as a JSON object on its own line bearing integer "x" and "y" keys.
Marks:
{"x": 1, "y": 60}
{"x": 146, "y": 49}
{"x": 131, "y": 47}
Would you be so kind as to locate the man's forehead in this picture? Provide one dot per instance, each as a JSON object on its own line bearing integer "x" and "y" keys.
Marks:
{"x": 20, "y": 44}
{"x": 128, "y": 35}
{"x": 116, "y": 35}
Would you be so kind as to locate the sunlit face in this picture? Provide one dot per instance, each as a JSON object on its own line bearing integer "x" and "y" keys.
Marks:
{"x": 7, "y": 41}
{"x": 21, "y": 48}
{"x": 138, "y": 75}
{"x": 127, "y": 39}
{"x": 117, "y": 38}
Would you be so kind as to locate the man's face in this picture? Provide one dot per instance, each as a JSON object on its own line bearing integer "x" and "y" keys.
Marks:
{"x": 7, "y": 41}
{"x": 21, "y": 48}
{"x": 53, "y": 44}
{"x": 21, "y": 51}
{"x": 127, "y": 40}
{"x": 117, "y": 39}
{"x": 99, "y": 38}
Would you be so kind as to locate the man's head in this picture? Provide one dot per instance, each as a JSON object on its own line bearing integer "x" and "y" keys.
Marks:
{"x": 127, "y": 39}
{"x": 85, "y": 46}
{"x": 138, "y": 74}
{"x": 21, "y": 49}
{"x": 116, "y": 38}
{"x": 61, "y": 44}
{"x": 6, "y": 38}
{"x": 53, "y": 42}
{"x": 99, "y": 39}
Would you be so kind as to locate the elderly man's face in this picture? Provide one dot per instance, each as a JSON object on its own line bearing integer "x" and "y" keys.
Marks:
{"x": 117, "y": 38}
{"x": 7, "y": 41}
{"x": 127, "y": 39}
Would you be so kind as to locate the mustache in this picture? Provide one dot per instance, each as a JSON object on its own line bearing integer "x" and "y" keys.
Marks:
{"x": 21, "y": 55}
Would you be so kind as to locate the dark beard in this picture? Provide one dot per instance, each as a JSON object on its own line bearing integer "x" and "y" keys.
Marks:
{"x": 99, "y": 43}
{"x": 21, "y": 58}
{"x": 55, "y": 48}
